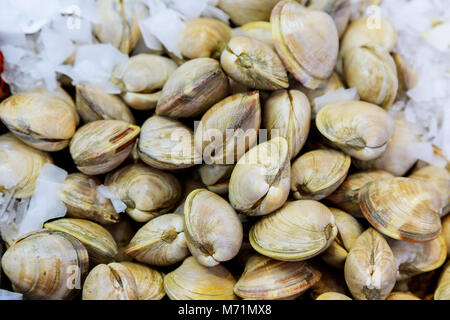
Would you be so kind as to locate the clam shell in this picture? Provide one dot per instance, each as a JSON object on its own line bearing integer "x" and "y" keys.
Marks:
{"x": 287, "y": 113}
{"x": 443, "y": 288}
{"x": 160, "y": 242}
{"x": 146, "y": 191}
{"x": 402, "y": 208}
{"x": 192, "y": 89}
{"x": 242, "y": 12}
{"x": 298, "y": 231}
{"x": 259, "y": 30}
{"x": 46, "y": 264}
{"x": 167, "y": 144}
{"x": 212, "y": 228}
{"x": 254, "y": 64}
{"x": 149, "y": 282}
{"x": 268, "y": 279}
{"x": 339, "y": 10}
{"x": 307, "y": 42}
{"x": 101, "y": 146}
{"x": 192, "y": 281}
{"x": 370, "y": 270}
{"x": 98, "y": 242}
{"x": 360, "y": 129}
{"x": 446, "y": 233}
{"x": 317, "y": 174}
{"x": 216, "y": 177}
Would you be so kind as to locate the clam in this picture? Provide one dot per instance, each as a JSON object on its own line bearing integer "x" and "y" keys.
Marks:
{"x": 229, "y": 129}
{"x": 204, "y": 38}
{"x": 216, "y": 177}
{"x": 82, "y": 200}
{"x": 167, "y": 144}
{"x": 142, "y": 78}
{"x": 245, "y": 11}
{"x": 149, "y": 282}
{"x": 189, "y": 184}
{"x": 438, "y": 177}
{"x": 193, "y": 281}
{"x": 41, "y": 119}
{"x": 254, "y": 64}
{"x": 370, "y": 270}
{"x": 146, "y": 191}
{"x": 298, "y": 231}
{"x": 101, "y": 146}
{"x": 20, "y": 166}
{"x": 446, "y": 233}
{"x": 259, "y": 30}
{"x": 122, "y": 232}
{"x": 349, "y": 229}
{"x": 307, "y": 42}
{"x": 113, "y": 281}
{"x": 402, "y": 208}
{"x": 118, "y": 23}
{"x": 268, "y": 279}
{"x": 407, "y": 78}
{"x": 94, "y": 103}
{"x": 443, "y": 288}
{"x": 339, "y": 10}
{"x": 46, "y": 264}
{"x": 317, "y": 174}
{"x": 192, "y": 89}
{"x": 372, "y": 71}
{"x": 260, "y": 180}
{"x": 98, "y": 242}
{"x": 160, "y": 242}
{"x": 346, "y": 196}
{"x": 360, "y": 129}
{"x": 413, "y": 258}
{"x": 212, "y": 228}
{"x": 402, "y": 296}
{"x": 400, "y": 155}
{"x": 333, "y": 296}
{"x": 287, "y": 113}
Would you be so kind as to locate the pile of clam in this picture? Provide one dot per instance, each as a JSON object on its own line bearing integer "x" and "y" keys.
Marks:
{"x": 267, "y": 196}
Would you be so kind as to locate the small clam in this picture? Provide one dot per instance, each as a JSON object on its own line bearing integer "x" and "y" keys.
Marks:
{"x": 46, "y": 264}
{"x": 317, "y": 174}
{"x": 400, "y": 155}
{"x": 339, "y": 10}
{"x": 204, "y": 38}
{"x": 307, "y": 42}
{"x": 20, "y": 166}
{"x": 333, "y": 296}
{"x": 216, "y": 177}
{"x": 370, "y": 270}
{"x": 298, "y": 231}
{"x": 146, "y": 191}
{"x": 82, "y": 200}
{"x": 438, "y": 177}
{"x": 349, "y": 229}
{"x": 149, "y": 282}
{"x": 402, "y": 296}
{"x": 402, "y": 208}
{"x": 167, "y": 144}
{"x": 245, "y": 11}
{"x": 413, "y": 258}
{"x": 94, "y": 103}
{"x": 110, "y": 282}
{"x": 192, "y": 281}
{"x": 260, "y": 180}
{"x": 407, "y": 78}
{"x": 98, "y": 242}
{"x": 259, "y": 30}
{"x": 118, "y": 23}
{"x": 229, "y": 129}
{"x": 254, "y": 64}
{"x": 443, "y": 288}
{"x": 101, "y": 146}
{"x": 372, "y": 71}
{"x": 189, "y": 184}
{"x": 346, "y": 196}
{"x": 41, "y": 119}
{"x": 192, "y": 89}
{"x": 212, "y": 228}
{"x": 287, "y": 113}
{"x": 160, "y": 242}
{"x": 360, "y": 129}
{"x": 268, "y": 279}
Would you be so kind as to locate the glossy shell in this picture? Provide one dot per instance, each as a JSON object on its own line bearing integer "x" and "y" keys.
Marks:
{"x": 242, "y": 12}
{"x": 149, "y": 282}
